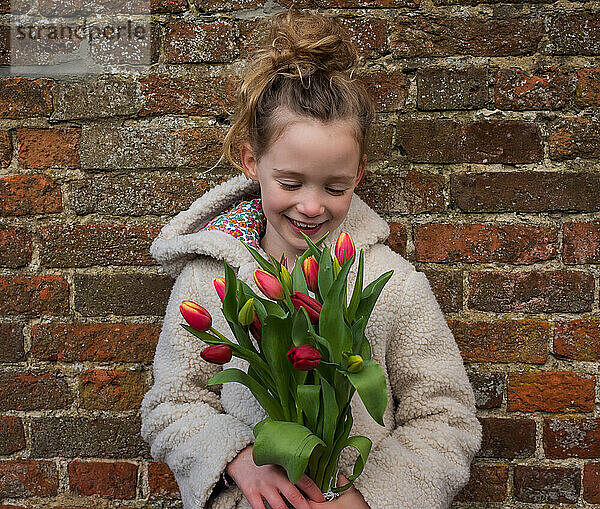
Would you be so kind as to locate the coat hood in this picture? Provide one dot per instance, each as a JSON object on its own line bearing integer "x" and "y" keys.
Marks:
{"x": 182, "y": 239}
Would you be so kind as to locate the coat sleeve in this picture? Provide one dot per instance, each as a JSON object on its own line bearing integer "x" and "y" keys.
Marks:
{"x": 425, "y": 460}
{"x": 182, "y": 420}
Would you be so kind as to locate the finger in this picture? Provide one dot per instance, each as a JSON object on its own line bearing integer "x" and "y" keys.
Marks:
{"x": 308, "y": 486}
{"x": 256, "y": 501}
{"x": 295, "y": 497}
{"x": 275, "y": 500}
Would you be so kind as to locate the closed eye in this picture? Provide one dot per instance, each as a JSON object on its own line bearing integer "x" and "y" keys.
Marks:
{"x": 289, "y": 186}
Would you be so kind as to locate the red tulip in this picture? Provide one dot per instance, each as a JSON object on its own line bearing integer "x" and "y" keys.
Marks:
{"x": 304, "y": 357}
{"x": 217, "y": 354}
{"x": 195, "y": 315}
{"x": 344, "y": 246}
{"x": 256, "y": 328}
{"x": 268, "y": 284}
{"x": 310, "y": 267}
{"x": 220, "y": 287}
{"x": 312, "y": 306}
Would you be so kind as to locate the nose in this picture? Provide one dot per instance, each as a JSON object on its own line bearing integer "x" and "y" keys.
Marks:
{"x": 310, "y": 205}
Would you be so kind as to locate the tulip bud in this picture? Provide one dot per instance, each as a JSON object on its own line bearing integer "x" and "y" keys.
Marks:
{"x": 344, "y": 246}
{"x": 220, "y": 287}
{"x": 310, "y": 267}
{"x": 304, "y": 357}
{"x": 246, "y": 314}
{"x": 312, "y": 306}
{"x": 256, "y": 328}
{"x": 286, "y": 278}
{"x": 355, "y": 363}
{"x": 217, "y": 354}
{"x": 336, "y": 267}
{"x": 195, "y": 315}
{"x": 268, "y": 284}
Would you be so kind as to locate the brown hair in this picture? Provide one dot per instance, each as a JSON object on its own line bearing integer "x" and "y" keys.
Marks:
{"x": 305, "y": 65}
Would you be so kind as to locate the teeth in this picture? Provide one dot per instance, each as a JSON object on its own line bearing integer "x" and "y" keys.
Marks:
{"x": 303, "y": 225}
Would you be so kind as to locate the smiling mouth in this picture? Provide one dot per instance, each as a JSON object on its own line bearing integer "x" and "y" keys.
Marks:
{"x": 304, "y": 226}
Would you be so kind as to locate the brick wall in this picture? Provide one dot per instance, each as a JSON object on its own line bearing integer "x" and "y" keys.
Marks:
{"x": 485, "y": 161}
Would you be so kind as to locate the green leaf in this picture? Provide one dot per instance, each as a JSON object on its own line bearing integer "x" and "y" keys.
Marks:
{"x": 325, "y": 272}
{"x": 298, "y": 279}
{"x": 271, "y": 406}
{"x": 308, "y": 397}
{"x": 371, "y": 294}
{"x": 330, "y": 411}
{"x": 370, "y": 385}
{"x": 358, "y": 334}
{"x": 300, "y": 328}
{"x": 357, "y": 292}
{"x": 363, "y": 446}
{"x": 261, "y": 260}
{"x": 288, "y": 444}
{"x": 312, "y": 247}
{"x": 230, "y": 301}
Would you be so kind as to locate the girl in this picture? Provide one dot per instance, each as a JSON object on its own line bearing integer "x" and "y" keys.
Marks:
{"x": 301, "y": 126}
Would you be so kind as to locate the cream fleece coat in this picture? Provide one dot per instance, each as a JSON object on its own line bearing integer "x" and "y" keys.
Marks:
{"x": 420, "y": 459}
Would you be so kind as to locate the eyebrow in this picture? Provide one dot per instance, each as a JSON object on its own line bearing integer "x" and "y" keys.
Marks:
{"x": 292, "y": 173}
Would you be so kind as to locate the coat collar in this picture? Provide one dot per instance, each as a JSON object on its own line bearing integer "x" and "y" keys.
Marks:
{"x": 182, "y": 239}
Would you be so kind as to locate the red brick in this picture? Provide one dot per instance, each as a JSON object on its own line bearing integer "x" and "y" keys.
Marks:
{"x": 370, "y": 34}
{"x": 5, "y": 149}
{"x": 29, "y": 194}
{"x": 94, "y": 342}
{"x": 188, "y": 95}
{"x": 413, "y": 192}
{"x": 161, "y": 481}
{"x": 122, "y": 294}
{"x": 31, "y": 391}
{"x": 398, "y": 238}
{"x": 429, "y": 36}
{"x": 34, "y": 295}
{"x": 587, "y": 93}
{"x": 534, "y": 191}
{"x": 581, "y": 242}
{"x": 447, "y": 286}
{"x": 488, "y": 389}
{"x": 476, "y": 243}
{"x": 573, "y": 137}
{"x": 578, "y": 339}
{"x": 15, "y": 247}
{"x": 551, "y": 391}
{"x": 487, "y": 483}
{"x": 87, "y": 245}
{"x": 388, "y": 89}
{"x": 24, "y": 98}
{"x": 536, "y": 484}
{"x": 572, "y": 438}
{"x": 168, "y": 6}
{"x": 194, "y": 42}
{"x": 27, "y": 478}
{"x": 591, "y": 483}
{"x": 48, "y": 148}
{"x": 507, "y": 438}
{"x": 89, "y": 7}
{"x": 531, "y": 291}
{"x": 116, "y": 480}
{"x": 544, "y": 89}
{"x": 11, "y": 342}
{"x": 12, "y": 435}
{"x": 380, "y": 142}
{"x": 452, "y": 89}
{"x": 485, "y": 141}
{"x": 574, "y": 33}
{"x": 101, "y": 389}
{"x": 502, "y": 341}
{"x": 373, "y": 4}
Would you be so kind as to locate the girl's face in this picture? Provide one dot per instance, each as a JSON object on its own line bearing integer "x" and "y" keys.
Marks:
{"x": 306, "y": 178}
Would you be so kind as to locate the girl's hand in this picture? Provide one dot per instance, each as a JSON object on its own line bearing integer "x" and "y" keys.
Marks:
{"x": 270, "y": 482}
{"x": 349, "y": 499}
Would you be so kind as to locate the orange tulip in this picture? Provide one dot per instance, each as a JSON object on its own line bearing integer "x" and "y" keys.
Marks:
{"x": 268, "y": 284}
{"x": 310, "y": 267}
{"x": 344, "y": 248}
{"x": 195, "y": 315}
{"x": 220, "y": 287}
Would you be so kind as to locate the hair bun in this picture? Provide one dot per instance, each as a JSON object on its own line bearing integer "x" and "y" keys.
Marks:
{"x": 301, "y": 43}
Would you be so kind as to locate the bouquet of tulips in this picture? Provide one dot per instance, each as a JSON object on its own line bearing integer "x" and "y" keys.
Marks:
{"x": 309, "y": 356}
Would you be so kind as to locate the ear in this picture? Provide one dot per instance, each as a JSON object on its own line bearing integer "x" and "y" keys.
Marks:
{"x": 248, "y": 161}
{"x": 361, "y": 170}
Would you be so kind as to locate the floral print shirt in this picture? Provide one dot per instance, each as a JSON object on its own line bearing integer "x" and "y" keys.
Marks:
{"x": 244, "y": 220}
